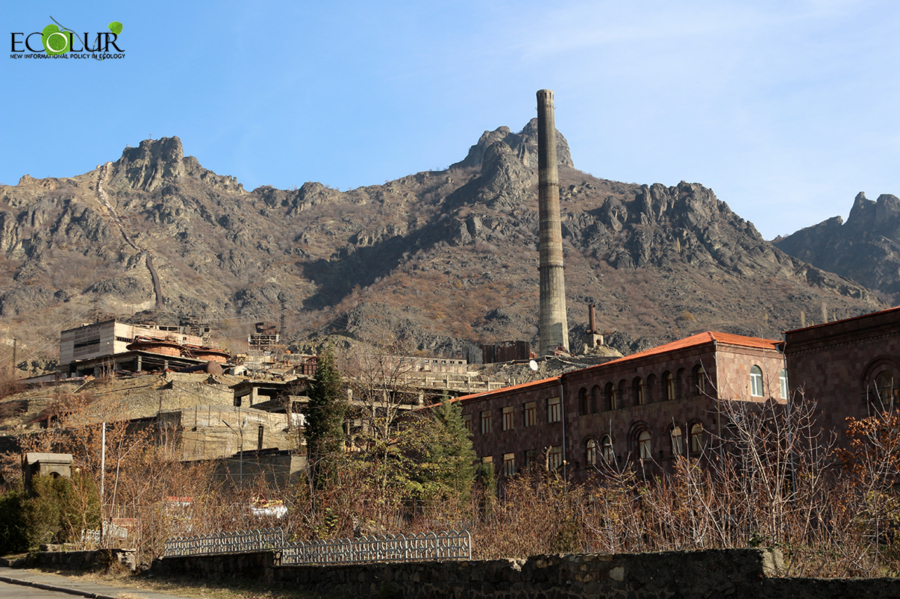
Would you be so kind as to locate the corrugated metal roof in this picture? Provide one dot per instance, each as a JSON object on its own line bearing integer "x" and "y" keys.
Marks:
{"x": 692, "y": 341}
{"x": 505, "y": 389}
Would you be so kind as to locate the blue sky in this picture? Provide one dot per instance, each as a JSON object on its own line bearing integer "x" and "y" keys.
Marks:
{"x": 785, "y": 109}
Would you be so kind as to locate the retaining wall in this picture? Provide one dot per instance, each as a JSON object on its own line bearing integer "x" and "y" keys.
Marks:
{"x": 81, "y": 560}
{"x": 716, "y": 574}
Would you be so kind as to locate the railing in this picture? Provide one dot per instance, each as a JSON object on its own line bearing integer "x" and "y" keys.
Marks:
{"x": 388, "y": 548}
{"x": 450, "y": 545}
{"x": 227, "y": 542}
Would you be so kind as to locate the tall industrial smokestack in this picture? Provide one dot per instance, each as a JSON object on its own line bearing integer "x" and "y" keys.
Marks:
{"x": 554, "y": 330}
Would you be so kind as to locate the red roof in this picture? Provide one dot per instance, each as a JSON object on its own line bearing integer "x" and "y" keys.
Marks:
{"x": 692, "y": 341}
{"x": 504, "y": 389}
{"x": 825, "y": 324}
{"x": 700, "y": 339}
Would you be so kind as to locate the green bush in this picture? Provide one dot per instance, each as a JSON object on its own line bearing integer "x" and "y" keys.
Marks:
{"x": 56, "y": 512}
{"x": 13, "y": 531}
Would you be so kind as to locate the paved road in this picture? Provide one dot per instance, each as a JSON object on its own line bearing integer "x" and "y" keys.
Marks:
{"x": 14, "y": 591}
{"x": 58, "y": 587}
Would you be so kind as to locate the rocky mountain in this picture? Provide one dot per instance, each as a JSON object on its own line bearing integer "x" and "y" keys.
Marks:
{"x": 866, "y": 248}
{"x": 439, "y": 259}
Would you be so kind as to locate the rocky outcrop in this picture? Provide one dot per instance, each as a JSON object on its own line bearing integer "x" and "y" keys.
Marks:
{"x": 866, "y": 248}
{"x": 523, "y": 145}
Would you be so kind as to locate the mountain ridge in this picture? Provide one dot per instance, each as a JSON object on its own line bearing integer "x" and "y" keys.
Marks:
{"x": 443, "y": 259}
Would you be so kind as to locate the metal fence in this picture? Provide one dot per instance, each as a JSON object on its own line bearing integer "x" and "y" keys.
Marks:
{"x": 388, "y": 548}
{"x": 449, "y": 545}
{"x": 226, "y": 542}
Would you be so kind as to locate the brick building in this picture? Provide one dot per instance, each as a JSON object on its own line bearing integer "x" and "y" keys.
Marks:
{"x": 644, "y": 408}
{"x": 849, "y": 367}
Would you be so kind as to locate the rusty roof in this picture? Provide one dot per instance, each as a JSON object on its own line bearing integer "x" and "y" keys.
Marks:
{"x": 512, "y": 388}
{"x": 692, "y": 341}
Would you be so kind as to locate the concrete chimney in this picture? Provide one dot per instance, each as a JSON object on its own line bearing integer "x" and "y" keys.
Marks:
{"x": 554, "y": 329}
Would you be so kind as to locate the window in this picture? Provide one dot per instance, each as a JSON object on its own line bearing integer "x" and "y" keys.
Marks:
{"x": 644, "y": 445}
{"x": 582, "y": 401}
{"x": 756, "y": 381}
{"x": 675, "y": 436}
{"x": 509, "y": 464}
{"x": 696, "y": 438}
{"x": 606, "y": 450}
{"x": 488, "y": 459}
{"x": 530, "y": 413}
{"x": 508, "y": 418}
{"x": 639, "y": 391}
{"x": 467, "y": 422}
{"x": 782, "y": 378}
{"x": 886, "y": 392}
{"x": 554, "y": 409}
{"x": 486, "y": 422}
{"x": 554, "y": 457}
{"x": 590, "y": 453}
{"x": 531, "y": 458}
{"x": 610, "y": 396}
{"x": 699, "y": 379}
{"x": 668, "y": 386}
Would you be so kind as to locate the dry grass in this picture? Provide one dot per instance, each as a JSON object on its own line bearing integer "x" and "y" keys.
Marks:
{"x": 192, "y": 587}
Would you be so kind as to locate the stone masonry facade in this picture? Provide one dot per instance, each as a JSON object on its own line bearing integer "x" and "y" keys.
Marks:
{"x": 850, "y": 368}
{"x": 643, "y": 409}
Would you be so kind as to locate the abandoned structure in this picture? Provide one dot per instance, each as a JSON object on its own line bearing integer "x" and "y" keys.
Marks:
{"x": 111, "y": 345}
{"x": 592, "y": 337}
{"x": 45, "y": 464}
{"x": 112, "y": 337}
{"x": 850, "y": 368}
{"x": 554, "y": 329}
{"x": 265, "y": 337}
{"x": 506, "y": 351}
{"x": 643, "y": 409}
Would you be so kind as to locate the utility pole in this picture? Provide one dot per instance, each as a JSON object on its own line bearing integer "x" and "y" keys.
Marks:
{"x": 102, "y": 475}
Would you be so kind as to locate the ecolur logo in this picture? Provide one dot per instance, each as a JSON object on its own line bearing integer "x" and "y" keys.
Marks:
{"x": 58, "y": 41}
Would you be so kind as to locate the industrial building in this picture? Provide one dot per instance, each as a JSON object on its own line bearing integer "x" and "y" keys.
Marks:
{"x": 111, "y": 345}
{"x": 644, "y": 409}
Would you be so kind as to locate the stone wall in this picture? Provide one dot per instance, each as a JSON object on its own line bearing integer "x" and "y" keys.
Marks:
{"x": 81, "y": 560}
{"x": 715, "y": 574}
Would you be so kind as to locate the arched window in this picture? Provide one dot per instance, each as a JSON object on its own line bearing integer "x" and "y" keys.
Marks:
{"x": 582, "y": 401}
{"x": 782, "y": 379}
{"x": 675, "y": 436}
{"x": 886, "y": 392}
{"x": 696, "y": 438}
{"x": 590, "y": 453}
{"x": 668, "y": 386}
{"x": 595, "y": 398}
{"x": 606, "y": 450}
{"x": 610, "y": 396}
{"x": 650, "y": 391}
{"x": 638, "y": 385}
{"x": 623, "y": 390}
{"x": 699, "y": 380}
{"x": 644, "y": 449}
{"x": 756, "y": 381}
